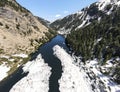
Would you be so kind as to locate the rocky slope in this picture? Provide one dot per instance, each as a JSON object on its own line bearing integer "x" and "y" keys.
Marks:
{"x": 94, "y": 33}
{"x": 20, "y": 34}
{"x": 87, "y": 15}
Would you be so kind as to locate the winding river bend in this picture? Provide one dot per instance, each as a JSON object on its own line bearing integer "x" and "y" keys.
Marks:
{"x": 47, "y": 54}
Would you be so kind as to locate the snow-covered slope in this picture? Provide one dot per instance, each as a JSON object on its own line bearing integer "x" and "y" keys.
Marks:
{"x": 94, "y": 33}
{"x": 98, "y": 80}
{"x": 37, "y": 79}
{"x": 94, "y": 12}
{"x": 3, "y": 71}
{"x": 77, "y": 77}
{"x": 73, "y": 79}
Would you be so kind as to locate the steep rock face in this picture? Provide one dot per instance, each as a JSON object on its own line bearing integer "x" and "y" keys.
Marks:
{"x": 94, "y": 33}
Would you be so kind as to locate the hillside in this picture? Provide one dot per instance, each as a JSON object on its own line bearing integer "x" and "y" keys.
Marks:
{"x": 94, "y": 34}
{"x": 20, "y": 34}
{"x": 84, "y": 17}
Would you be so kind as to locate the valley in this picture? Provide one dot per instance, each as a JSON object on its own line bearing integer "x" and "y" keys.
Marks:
{"x": 77, "y": 53}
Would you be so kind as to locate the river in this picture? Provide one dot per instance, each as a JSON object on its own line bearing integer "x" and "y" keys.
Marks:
{"x": 47, "y": 54}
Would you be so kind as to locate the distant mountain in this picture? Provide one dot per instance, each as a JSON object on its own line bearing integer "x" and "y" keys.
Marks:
{"x": 94, "y": 33}
{"x": 20, "y": 34}
{"x": 43, "y": 21}
{"x": 94, "y": 12}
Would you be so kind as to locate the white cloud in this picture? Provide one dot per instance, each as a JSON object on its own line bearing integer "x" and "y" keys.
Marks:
{"x": 57, "y": 15}
{"x": 65, "y": 12}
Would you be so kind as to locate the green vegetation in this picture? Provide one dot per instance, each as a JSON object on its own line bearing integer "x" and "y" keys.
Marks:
{"x": 50, "y": 34}
{"x": 3, "y": 3}
{"x": 1, "y": 50}
{"x": 1, "y": 24}
{"x": 116, "y": 74}
{"x": 18, "y": 26}
{"x": 35, "y": 27}
{"x": 3, "y": 60}
{"x": 7, "y": 26}
{"x": 100, "y": 40}
{"x": 14, "y": 67}
{"x": 14, "y": 64}
{"x": 16, "y": 6}
{"x": 73, "y": 20}
{"x": 85, "y": 40}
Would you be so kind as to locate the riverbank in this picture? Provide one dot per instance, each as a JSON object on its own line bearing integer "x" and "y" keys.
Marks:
{"x": 19, "y": 61}
{"x": 37, "y": 79}
{"x": 48, "y": 57}
{"x": 59, "y": 70}
{"x": 43, "y": 49}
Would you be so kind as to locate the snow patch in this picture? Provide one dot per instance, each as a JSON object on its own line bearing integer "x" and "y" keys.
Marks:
{"x": 97, "y": 41}
{"x": 118, "y": 3}
{"x": 102, "y": 4}
{"x": 83, "y": 23}
{"x": 64, "y": 31}
{"x": 109, "y": 85}
{"x": 118, "y": 59}
{"x": 3, "y": 71}
{"x": 73, "y": 79}
{"x": 20, "y": 55}
{"x": 3, "y": 56}
{"x": 11, "y": 60}
{"x": 99, "y": 19}
{"x": 37, "y": 79}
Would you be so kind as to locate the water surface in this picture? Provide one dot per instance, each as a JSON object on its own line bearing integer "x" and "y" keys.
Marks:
{"x": 46, "y": 51}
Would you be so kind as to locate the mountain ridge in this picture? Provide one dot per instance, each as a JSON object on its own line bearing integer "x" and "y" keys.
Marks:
{"x": 84, "y": 17}
{"x": 94, "y": 33}
{"x": 21, "y": 33}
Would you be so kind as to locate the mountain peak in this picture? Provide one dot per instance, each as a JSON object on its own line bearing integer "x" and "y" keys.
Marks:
{"x": 109, "y": 1}
{"x": 95, "y": 35}
{"x": 104, "y": 0}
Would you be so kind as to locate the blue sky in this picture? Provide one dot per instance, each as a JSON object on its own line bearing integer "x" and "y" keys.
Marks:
{"x": 54, "y": 9}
